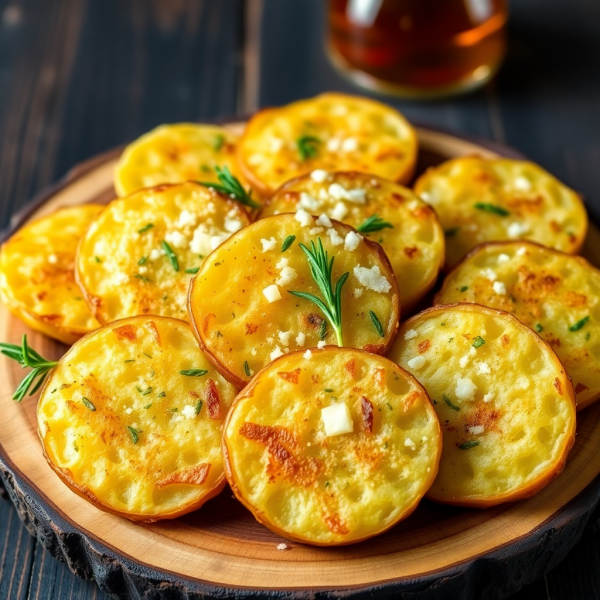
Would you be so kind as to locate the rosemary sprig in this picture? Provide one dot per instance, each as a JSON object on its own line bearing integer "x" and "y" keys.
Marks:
{"x": 170, "y": 255}
{"x": 376, "y": 323}
{"x": 373, "y": 223}
{"x": 577, "y": 326}
{"x": 321, "y": 267}
{"x": 231, "y": 186}
{"x": 28, "y": 358}
{"x": 469, "y": 445}
{"x": 194, "y": 372}
{"x": 289, "y": 240}
{"x": 307, "y": 146}
{"x": 492, "y": 208}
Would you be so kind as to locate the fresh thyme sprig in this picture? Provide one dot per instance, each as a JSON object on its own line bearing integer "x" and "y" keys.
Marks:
{"x": 373, "y": 223}
{"x": 231, "y": 186}
{"x": 321, "y": 267}
{"x": 28, "y": 357}
{"x": 307, "y": 146}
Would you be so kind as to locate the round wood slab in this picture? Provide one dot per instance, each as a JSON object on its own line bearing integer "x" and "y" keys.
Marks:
{"x": 220, "y": 551}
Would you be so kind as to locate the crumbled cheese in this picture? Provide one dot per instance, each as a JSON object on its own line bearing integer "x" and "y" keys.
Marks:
{"x": 282, "y": 546}
{"x": 465, "y": 389}
{"x": 188, "y": 411}
{"x": 358, "y": 196}
{"x": 477, "y": 429}
{"x": 121, "y": 278}
{"x": 324, "y": 220}
{"x": 358, "y": 292}
{"x": 319, "y": 175}
{"x": 417, "y": 362}
{"x": 176, "y": 239}
{"x": 316, "y": 230}
{"x": 464, "y": 361}
{"x": 499, "y": 288}
{"x": 308, "y": 202}
{"x": 372, "y": 279}
{"x": 276, "y": 144}
{"x": 337, "y": 191}
{"x": 483, "y": 368}
{"x": 128, "y": 410}
{"x": 217, "y": 240}
{"x": 301, "y": 339}
{"x": 349, "y": 145}
{"x": 521, "y": 251}
{"x": 333, "y": 144}
{"x": 337, "y": 419}
{"x": 522, "y": 184}
{"x": 488, "y": 397}
{"x": 283, "y": 262}
{"x": 502, "y": 258}
{"x": 425, "y": 196}
{"x": 307, "y": 355}
{"x": 276, "y": 353}
{"x": 232, "y": 225}
{"x": 303, "y": 218}
{"x": 321, "y": 344}
{"x": 516, "y": 229}
{"x": 335, "y": 237}
{"x": 472, "y": 351}
{"x": 211, "y": 208}
{"x": 200, "y": 243}
{"x": 284, "y": 337}
{"x": 142, "y": 270}
{"x": 489, "y": 274}
{"x": 352, "y": 241}
{"x": 411, "y": 334}
{"x": 409, "y": 444}
{"x": 268, "y": 244}
{"x": 287, "y": 275}
{"x": 155, "y": 253}
{"x": 186, "y": 218}
{"x": 339, "y": 211}
{"x": 52, "y": 259}
{"x": 272, "y": 293}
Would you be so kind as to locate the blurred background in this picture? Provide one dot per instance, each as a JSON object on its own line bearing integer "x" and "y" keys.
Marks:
{"x": 79, "y": 77}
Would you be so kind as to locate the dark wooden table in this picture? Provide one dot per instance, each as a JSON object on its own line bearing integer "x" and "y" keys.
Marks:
{"x": 78, "y": 77}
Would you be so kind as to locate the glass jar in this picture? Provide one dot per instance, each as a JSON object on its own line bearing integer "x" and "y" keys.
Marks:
{"x": 418, "y": 48}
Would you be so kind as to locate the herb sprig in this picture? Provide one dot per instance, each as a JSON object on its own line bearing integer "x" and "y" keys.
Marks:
{"x": 307, "y": 146}
{"x": 28, "y": 358}
{"x": 577, "y": 326}
{"x": 231, "y": 186}
{"x": 372, "y": 224}
{"x": 194, "y": 372}
{"x": 321, "y": 268}
{"x": 170, "y": 255}
{"x": 376, "y": 323}
{"x": 492, "y": 208}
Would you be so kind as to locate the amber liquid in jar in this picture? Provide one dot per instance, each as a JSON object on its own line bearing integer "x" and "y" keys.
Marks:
{"x": 419, "y": 48}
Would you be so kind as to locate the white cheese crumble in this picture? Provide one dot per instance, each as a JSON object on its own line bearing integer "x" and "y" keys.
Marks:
{"x": 411, "y": 334}
{"x": 319, "y": 175}
{"x": 333, "y": 144}
{"x": 337, "y": 419}
{"x": 268, "y": 244}
{"x": 337, "y": 191}
{"x": 464, "y": 361}
{"x": 142, "y": 270}
{"x": 186, "y": 218}
{"x": 477, "y": 429}
{"x": 308, "y": 202}
{"x": 276, "y": 353}
{"x": 417, "y": 362}
{"x": 483, "y": 368}
{"x": 409, "y": 444}
{"x": 232, "y": 225}
{"x": 211, "y": 208}
{"x": 499, "y": 288}
{"x": 200, "y": 244}
{"x": 522, "y": 184}
{"x": 350, "y": 145}
{"x": 488, "y": 397}
{"x": 271, "y": 293}
{"x": 217, "y": 240}
{"x": 121, "y": 277}
{"x": 465, "y": 389}
{"x": 516, "y": 229}
{"x": 521, "y": 251}
{"x": 357, "y": 196}
{"x": 339, "y": 211}
{"x": 372, "y": 279}
{"x": 503, "y": 258}
{"x": 282, "y": 546}
{"x": 283, "y": 262}
{"x": 303, "y": 218}
{"x": 316, "y": 230}
{"x": 324, "y": 220}
{"x": 154, "y": 254}
{"x": 335, "y": 237}
{"x": 307, "y": 355}
{"x": 489, "y": 274}
{"x": 287, "y": 275}
{"x": 52, "y": 259}
{"x": 301, "y": 339}
{"x": 358, "y": 292}
{"x": 128, "y": 410}
{"x": 321, "y": 344}
{"x": 188, "y": 411}
{"x": 284, "y": 337}
{"x": 176, "y": 239}
{"x": 351, "y": 241}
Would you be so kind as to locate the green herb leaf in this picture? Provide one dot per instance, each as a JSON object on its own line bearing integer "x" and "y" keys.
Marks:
{"x": 389, "y": 406}
{"x": 143, "y": 392}
{"x": 247, "y": 369}
{"x": 134, "y": 433}
{"x": 148, "y": 406}
{"x": 451, "y": 232}
{"x": 321, "y": 269}
{"x": 192, "y": 270}
{"x": 142, "y": 260}
{"x": 198, "y": 407}
{"x": 88, "y": 404}
{"x": 194, "y": 372}
{"x": 376, "y": 323}
{"x": 323, "y": 330}
{"x": 307, "y": 146}
{"x": 373, "y": 223}
{"x": 492, "y": 208}
{"x": 161, "y": 395}
{"x": 450, "y": 403}
{"x": 464, "y": 288}
{"x": 469, "y": 445}
{"x": 539, "y": 328}
{"x": 231, "y": 187}
{"x": 97, "y": 259}
{"x": 478, "y": 342}
{"x": 289, "y": 240}
{"x": 170, "y": 255}
{"x": 219, "y": 141}
{"x": 142, "y": 277}
{"x": 328, "y": 390}
{"x": 28, "y": 358}
{"x": 146, "y": 228}
{"x": 577, "y": 326}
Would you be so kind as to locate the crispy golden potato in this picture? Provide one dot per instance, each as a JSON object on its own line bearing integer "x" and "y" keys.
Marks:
{"x": 506, "y": 404}
{"x": 480, "y": 200}
{"x": 244, "y": 315}
{"x": 131, "y": 419}
{"x": 174, "y": 154}
{"x": 348, "y": 458}
{"x": 138, "y": 257}
{"x": 330, "y": 131}
{"x": 37, "y": 274}
{"x": 415, "y": 242}
{"x": 556, "y": 294}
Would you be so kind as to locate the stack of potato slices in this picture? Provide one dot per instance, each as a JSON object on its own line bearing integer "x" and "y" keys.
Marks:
{"x": 244, "y": 304}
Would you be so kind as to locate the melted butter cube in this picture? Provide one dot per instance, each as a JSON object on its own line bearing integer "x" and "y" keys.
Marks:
{"x": 337, "y": 419}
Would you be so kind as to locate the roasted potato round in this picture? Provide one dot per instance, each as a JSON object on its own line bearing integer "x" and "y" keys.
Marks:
{"x": 241, "y": 303}
{"x": 407, "y": 228}
{"x": 480, "y": 200}
{"x": 174, "y": 154}
{"x": 556, "y": 294}
{"x": 506, "y": 404}
{"x": 37, "y": 274}
{"x": 330, "y": 131}
{"x": 138, "y": 257}
{"x": 131, "y": 419}
{"x": 350, "y": 456}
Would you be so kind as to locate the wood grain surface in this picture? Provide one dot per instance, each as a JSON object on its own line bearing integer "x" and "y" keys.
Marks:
{"x": 78, "y": 77}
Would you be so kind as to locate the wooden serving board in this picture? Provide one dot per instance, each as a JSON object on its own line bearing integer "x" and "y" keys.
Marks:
{"x": 220, "y": 551}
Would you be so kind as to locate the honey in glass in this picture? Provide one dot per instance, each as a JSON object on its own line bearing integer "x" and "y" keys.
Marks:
{"x": 418, "y": 48}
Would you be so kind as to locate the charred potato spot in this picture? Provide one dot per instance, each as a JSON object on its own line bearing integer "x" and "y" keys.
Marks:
{"x": 150, "y": 448}
{"x": 331, "y": 131}
{"x": 415, "y": 241}
{"x": 138, "y": 257}
{"x": 338, "y": 489}
{"x": 37, "y": 275}
{"x": 504, "y": 400}
{"x": 479, "y": 200}
{"x": 175, "y": 154}
{"x": 548, "y": 291}
{"x": 284, "y": 322}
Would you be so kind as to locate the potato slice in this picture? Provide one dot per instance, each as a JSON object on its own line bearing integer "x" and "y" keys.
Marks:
{"x": 556, "y": 294}
{"x": 414, "y": 244}
{"x": 174, "y": 154}
{"x": 244, "y": 316}
{"x": 123, "y": 267}
{"x": 302, "y": 482}
{"x": 506, "y": 404}
{"x": 479, "y": 200}
{"x": 131, "y": 419}
{"x": 330, "y": 131}
{"x": 37, "y": 274}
